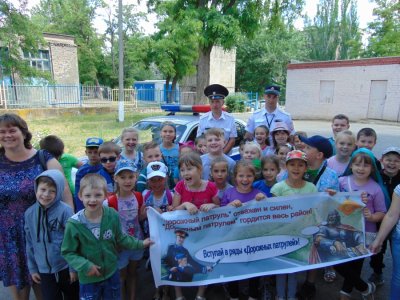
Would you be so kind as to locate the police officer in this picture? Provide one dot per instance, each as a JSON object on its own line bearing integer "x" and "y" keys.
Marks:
{"x": 218, "y": 118}
{"x": 270, "y": 114}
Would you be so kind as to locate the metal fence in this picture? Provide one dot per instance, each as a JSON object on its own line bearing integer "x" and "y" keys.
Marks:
{"x": 34, "y": 96}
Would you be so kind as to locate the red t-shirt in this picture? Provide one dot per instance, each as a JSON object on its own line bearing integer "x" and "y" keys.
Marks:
{"x": 198, "y": 198}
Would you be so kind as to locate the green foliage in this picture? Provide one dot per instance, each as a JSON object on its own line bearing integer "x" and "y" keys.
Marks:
{"x": 235, "y": 103}
{"x": 18, "y": 35}
{"x": 263, "y": 60}
{"x": 334, "y": 33}
{"x": 384, "y": 31}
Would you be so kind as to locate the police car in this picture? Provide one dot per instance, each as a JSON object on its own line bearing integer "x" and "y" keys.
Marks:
{"x": 186, "y": 126}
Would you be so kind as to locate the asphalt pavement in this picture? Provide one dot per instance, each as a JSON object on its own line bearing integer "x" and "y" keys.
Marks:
{"x": 388, "y": 135}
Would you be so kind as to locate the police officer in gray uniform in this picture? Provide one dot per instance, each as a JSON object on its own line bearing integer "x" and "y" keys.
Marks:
{"x": 217, "y": 118}
{"x": 270, "y": 114}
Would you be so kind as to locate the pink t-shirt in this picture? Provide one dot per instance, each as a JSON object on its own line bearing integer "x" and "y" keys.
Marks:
{"x": 376, "y": 198}
{"x": 198, "y": 198}
{"x": 337, "y": 166}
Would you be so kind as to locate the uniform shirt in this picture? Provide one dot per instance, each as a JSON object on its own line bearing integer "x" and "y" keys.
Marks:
{"x": 263, "y": 117}
{"x": 225, "y": 122}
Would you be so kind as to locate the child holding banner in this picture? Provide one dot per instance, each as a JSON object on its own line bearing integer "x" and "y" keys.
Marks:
{"x": 244, "y": 174}
{"x": 219, "y": 175}
{"x": 296, "y": 165}
{"x": 362, "y": 174}
{"x": 270, "y": 170}
{"x": 193, "y": 194}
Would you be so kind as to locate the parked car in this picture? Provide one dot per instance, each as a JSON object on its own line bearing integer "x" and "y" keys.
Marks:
{"x": 186, "y": 130}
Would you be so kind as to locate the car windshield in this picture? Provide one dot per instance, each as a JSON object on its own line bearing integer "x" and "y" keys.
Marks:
{"x": 150, "y": 130}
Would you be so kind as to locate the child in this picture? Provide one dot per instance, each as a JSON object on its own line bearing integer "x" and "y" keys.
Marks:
{"x": 92, "y": 238}
{"x": 244, "y": 174}
{"x": 169, "y": 149}
{"x": 340, "y": 123}
{"x": 261, "y": 136}
{"x": 193, "y": 194}
{"x": 130, "y": 139}
{"x": 281, "y": 153}
{"x": 109, "y": 154}
{"x": 92, "y": 166}
{"x": 55, "y": 146}
{"x": 362, "y": 175}
{"x": 270, "y": 170}
{"x": 252, "y": 152}
{"x": 297, "y": 143}
{"x": 201, "y": 145}
{"x": 215, "y": 147}
{"x": 186, "y": 147}
{"x": 127, "y": 203}
{"x": 391, "y": 178}
{"x": 219, "y": 175}
{"x": 296, "y": 165}
{"x": 46, "y": 265}
{"x": 345, "y": 144}
{"x": 366, "y": 138}
{"x": 151, "y": 152}
{"x": 280, "y": 134}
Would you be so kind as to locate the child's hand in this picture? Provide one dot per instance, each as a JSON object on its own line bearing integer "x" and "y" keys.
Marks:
{"x": 36, "y": 278}
{"x": 364, "y": 197}
{"x": 236, "y": 203}
{"x": 94, "y": 271}
{"x": 170, "y": 208}
{"x": 207, "y": 207}
{"x": 147, "y": 243}
{"x": 367, "y": 214}
{"x": 260, "y": 196}
{"x": 73, "y": 277}
{"x": 375, "y": 247}
{"x": 191, "y": 208}
{"x": 331, "y": 192}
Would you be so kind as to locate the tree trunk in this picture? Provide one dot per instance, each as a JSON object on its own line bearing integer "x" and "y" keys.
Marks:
{"x": 173, "y": 89}
{"x": 203, "y": 74}
{"x": 167, "y": 90}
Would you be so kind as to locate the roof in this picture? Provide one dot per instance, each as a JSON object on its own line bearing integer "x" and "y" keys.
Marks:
{"x": 395, "y": 60}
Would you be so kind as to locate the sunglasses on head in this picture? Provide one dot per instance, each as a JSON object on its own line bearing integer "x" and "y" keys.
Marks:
{"x": 108, "y": 159}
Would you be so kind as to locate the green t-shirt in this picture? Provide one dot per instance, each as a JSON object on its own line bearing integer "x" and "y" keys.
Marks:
{"x": 283, "y": 189}
{"x": 68, "y": 162}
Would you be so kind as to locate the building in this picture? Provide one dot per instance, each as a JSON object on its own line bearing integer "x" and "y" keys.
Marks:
{"x": 361, "y": 89}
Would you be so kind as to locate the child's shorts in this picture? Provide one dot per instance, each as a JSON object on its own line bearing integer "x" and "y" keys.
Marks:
{"x": 125, "y": 256}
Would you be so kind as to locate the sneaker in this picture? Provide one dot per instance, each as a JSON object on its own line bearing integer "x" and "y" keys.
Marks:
{"x": 307, "y": 291}
{"x": 377, "y": 279}
{"x": 369, "y": 294}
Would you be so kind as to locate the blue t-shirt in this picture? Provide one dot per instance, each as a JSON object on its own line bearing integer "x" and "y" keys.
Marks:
{"x": 171, "y": 157}
{"x": 261, "y": 185}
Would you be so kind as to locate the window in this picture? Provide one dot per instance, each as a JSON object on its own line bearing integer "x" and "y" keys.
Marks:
{"x": 39, "y": 61}
{"x": 326, "y": 91}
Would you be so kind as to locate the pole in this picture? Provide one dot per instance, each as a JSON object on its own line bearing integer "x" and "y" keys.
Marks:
{"x": 121, "y": 65}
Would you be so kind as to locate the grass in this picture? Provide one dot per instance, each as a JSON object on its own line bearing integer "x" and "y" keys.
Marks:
{"x": 74, "y": 130}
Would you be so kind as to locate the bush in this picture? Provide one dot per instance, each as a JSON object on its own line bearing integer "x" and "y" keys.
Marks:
{"x": 236, "y": 103}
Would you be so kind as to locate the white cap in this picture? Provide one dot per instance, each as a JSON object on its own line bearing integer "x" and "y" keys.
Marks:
{"x": 156, "y": 168}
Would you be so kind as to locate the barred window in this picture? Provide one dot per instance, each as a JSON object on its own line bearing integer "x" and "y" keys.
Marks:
{"x": 39, "y": 61}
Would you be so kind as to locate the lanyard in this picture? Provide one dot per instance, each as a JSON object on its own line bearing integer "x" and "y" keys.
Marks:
{"x": 269, "y": 122}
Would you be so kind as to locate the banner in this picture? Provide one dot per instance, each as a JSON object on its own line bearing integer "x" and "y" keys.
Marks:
{"x": 274, "y": 236}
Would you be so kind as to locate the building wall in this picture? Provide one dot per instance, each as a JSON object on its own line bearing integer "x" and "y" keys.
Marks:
{"x": 64, "y": 58}
{"x": 345, "y": 88}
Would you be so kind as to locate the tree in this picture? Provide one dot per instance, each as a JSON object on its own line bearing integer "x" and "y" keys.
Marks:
{"x": 263, "y": 59}
{"x": 334, "y": 33}
{"x": 74, "y": 17}
{"x": 17, "y": 36}
{"x": 222, "y": 23}
{"x": 384, "y": 31}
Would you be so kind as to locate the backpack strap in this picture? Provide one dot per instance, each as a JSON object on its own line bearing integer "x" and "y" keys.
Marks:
{"x": 42, "y": 159}
{"x": 139, "y": 198}
{"x": 113, "y": 201}
{"x": 169, "y": 196}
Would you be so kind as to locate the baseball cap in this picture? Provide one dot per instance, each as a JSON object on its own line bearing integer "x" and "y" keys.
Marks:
{"x": 280, "y": 126}
{"x": 124, "y": 164}
{"x": 156, "y": 168}
{"x": 322, "y": 144}
{"x": 296, "y": 154}
{"x": 94, "y": 142}
{"x": 391, "y": 150}
{"x": 272, "y": 89}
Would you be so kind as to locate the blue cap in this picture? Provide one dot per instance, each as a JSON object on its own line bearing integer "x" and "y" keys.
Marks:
{"x": 322, "y": 144}
{"x": 216, "y": 92}
{"x": 94, "y": 142}
{"x": 272, "y": 89}
{"x": 180, "y": 256}
{"x": 124, "y": 164}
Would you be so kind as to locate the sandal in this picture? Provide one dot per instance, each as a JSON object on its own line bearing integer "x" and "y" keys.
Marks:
{"x": 344, "y": 295}
{"x": 329, "y": 275}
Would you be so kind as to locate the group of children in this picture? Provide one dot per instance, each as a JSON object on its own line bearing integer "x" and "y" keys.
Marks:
{"x": 114, "y": 188}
